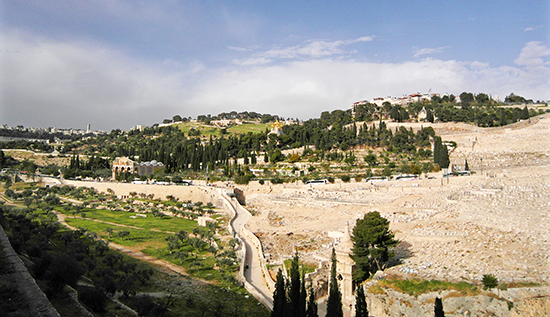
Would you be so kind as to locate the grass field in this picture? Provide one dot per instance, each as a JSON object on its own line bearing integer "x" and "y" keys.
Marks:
{"x": 166, "y": 223}
{"x": 140, "y": 238}
{"x": 249, "y": 127}
{"x": 415, "y": 287}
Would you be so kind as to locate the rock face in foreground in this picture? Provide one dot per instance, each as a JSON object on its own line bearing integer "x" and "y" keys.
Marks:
{"x": 23, "y": 286}
{"x": 533, "y": 302}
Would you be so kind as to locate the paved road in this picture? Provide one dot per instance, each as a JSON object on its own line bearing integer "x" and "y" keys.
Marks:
{"x": 253, "y": 270}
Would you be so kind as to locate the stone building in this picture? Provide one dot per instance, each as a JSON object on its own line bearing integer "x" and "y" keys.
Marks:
{"x": 126, "y": 165}
{"x": 344, "y": 270}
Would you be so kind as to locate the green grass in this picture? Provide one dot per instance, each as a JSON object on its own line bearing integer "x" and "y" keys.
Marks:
{"x": 415, "y": 287}
{"x": 303, "y": 267}
{"x": 170, "y": 224}
{"x": 137, "y": 237}
{"x": 249, "y": 127}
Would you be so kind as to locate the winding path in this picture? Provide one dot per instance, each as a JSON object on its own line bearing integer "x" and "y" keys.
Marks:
{"x": 253, "y": 268}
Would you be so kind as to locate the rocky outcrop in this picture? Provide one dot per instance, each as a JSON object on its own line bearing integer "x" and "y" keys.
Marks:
{"x": 515, "y": 302}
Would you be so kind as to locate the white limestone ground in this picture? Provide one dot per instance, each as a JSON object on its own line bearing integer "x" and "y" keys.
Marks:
{"x": 495, "y": 221}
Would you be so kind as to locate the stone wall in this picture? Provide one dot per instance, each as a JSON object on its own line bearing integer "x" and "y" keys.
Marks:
{"x": 193, "y": 193}
{"x": 38, "y": 304}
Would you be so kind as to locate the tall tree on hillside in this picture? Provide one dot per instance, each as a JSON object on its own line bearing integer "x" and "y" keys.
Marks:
{"x": 334, "y": 303}
{"x": 441, "y": 154}
{"x": 438, "y": 308}
{"x": 430, "y": 116}
{"x": 295, "y": 288}
{"x": 280, "y": 303}
{"x": 311, "y": 310}
{"x": 360, "y": 302}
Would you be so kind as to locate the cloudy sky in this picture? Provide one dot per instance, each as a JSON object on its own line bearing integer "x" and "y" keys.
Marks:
{"x": 120, "y": 63}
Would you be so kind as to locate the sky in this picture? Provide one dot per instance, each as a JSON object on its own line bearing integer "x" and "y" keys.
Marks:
{"x": 121, "y": 63}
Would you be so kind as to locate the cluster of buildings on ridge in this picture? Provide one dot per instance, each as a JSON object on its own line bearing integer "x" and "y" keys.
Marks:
{"x": 405, "y": 100}
{"x": 70, "y": 131}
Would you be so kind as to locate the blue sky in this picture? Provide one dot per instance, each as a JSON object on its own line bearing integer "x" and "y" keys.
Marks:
{"x": 119, "y": 63}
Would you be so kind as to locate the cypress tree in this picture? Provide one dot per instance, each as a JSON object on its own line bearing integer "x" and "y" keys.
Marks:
{"x": 280, "y": 304}
{"x": 466, "y": 167}
{"x": 441, "y": 154}
{"x": 294, "y": 291}
{"x": 303, "y": 298}
{"x": 438, "y": 308}
{"x": 334, "y": 303}
{"x": 429, "y": 116}
{"x": 312, "y": 305}
{"x": 361, "y": 303}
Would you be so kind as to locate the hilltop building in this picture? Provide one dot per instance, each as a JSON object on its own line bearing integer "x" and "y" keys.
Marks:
{"x": 277, "y": 128}
{"x": 126, "y": 165}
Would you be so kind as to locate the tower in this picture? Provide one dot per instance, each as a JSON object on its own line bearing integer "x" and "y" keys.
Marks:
{"x": 344, "y": 269}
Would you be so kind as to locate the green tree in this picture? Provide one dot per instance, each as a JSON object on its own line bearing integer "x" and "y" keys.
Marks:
{"x": 280, "y": 302}
{"x": 360, "y": 303}
{"x": 441, "y": 153}
{"x": 372, "y": 244}
{"x": 430, "y": 116}
{"x": 466, "y": 167}
{"x": 334, "y": 302}
{"x": 2, "y": 158}
{"x": 303, "y": 298}
{"x": 370, "y": 159}
{"x": 438, "y": 308}
{"x": 525, "y": 113}
{"x": 311, "y": 310}
{"x": 295, "y": 287}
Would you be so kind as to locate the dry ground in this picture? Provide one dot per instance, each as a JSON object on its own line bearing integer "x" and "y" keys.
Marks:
{"x": 495, "y": 221}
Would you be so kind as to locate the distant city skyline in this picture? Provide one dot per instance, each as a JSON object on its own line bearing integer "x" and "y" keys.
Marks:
{"x": 121, "y": 63}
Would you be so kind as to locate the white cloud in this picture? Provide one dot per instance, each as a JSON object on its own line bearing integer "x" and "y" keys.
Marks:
{"x": 238, "y": 49}
{"x": 252, "y": 61}
{"x": 49, "y": 83}
{"x": 428, "y": 51}
{"x": 309, "y": 49}
{"x": 305, "y": 88}
{"x": 532, "y": 28}
{"x": 532, "y": 55}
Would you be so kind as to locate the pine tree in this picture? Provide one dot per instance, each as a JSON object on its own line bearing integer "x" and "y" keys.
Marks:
{"x": 280, "y": 303}
{"x": 311, "y": 310}
{"x": 361, "y": 303}
{"x": 438, "y": 308}
{"x": 334, "y": 303}
{"x": 372, "y": 244}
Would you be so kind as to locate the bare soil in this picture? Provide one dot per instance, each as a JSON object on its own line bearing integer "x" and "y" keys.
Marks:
{"x": 495, "y": 221}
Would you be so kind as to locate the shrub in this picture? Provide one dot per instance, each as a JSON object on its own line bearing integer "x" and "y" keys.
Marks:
{"x": 489, "y": 281}
{"x": 345, "y": 178}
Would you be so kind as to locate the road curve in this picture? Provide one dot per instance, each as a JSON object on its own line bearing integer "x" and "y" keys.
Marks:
{"x": 254, "y": 278}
